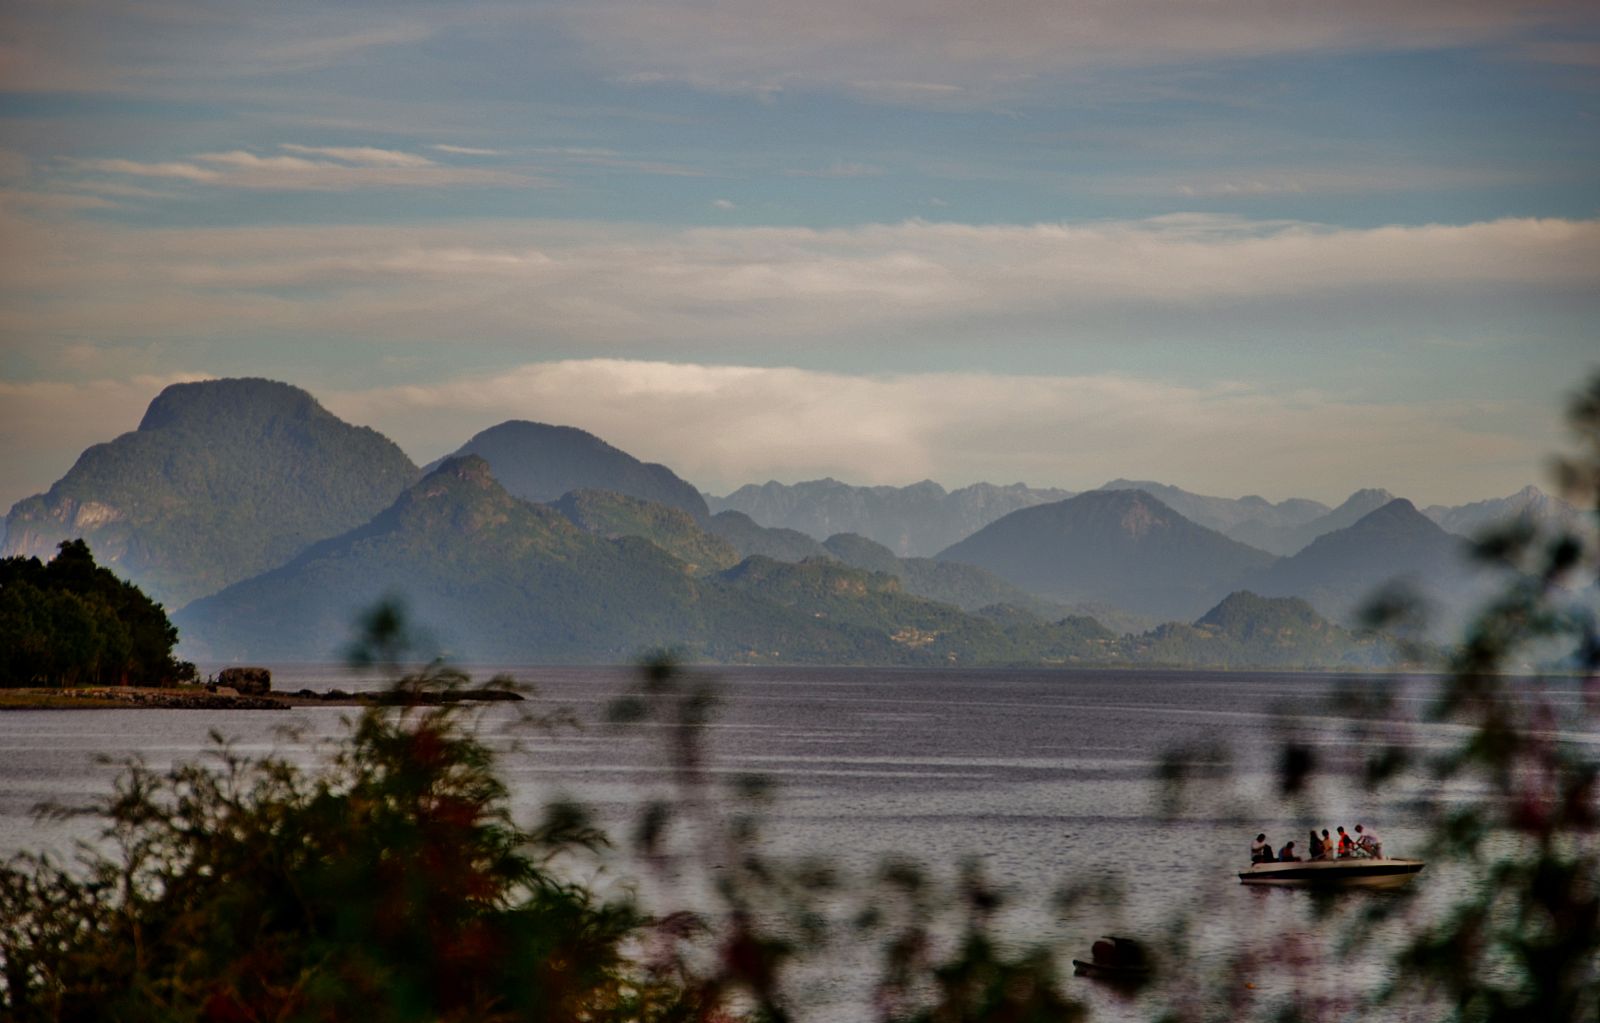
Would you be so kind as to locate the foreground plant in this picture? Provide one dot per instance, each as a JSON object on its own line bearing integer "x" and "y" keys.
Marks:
{"x": 389, "y": 884}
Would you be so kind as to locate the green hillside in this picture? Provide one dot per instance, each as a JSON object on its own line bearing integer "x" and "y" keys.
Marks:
{"x": 614, "y": 515}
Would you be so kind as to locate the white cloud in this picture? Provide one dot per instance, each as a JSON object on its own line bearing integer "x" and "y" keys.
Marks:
{"x": 723, "y": 204}
{"x": 722, "y": 425}
{"x": 340, "y": 168}
{"x": 464, "y": 150}
{"x": 536, "y": 282}
{"x": 364, "y": 155}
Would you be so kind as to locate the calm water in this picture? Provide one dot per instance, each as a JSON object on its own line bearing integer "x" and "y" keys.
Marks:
{"x": 1046, "y": 778}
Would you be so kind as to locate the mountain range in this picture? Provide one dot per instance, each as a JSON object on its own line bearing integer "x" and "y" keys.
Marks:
{"x": 275, "y": 522}
{"x": 920, "y": 519}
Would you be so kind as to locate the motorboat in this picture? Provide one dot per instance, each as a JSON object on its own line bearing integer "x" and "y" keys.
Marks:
{"x": 1345, "y": 872}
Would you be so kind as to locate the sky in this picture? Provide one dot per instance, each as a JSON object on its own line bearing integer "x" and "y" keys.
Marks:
{"x": 1286, "y": 248}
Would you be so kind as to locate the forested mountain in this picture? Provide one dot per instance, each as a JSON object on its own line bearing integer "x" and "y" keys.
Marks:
{"x": 539, "y": 462}
{"x": 493, "y": 576}
{"x": 966, "y": 586}
{"x": 1287, "y": 539}
{"x": 674, "y": 530}
{"x": 222, "y": 480}
{"x": 1247, "y": 630}
{"x": 505, "y": 579}
{"x": 1123, "y": 547}
{"x": 911, "y": 521}
{"x": 773, "y": 542}
{"x": 1341, "y": 569}
{"x": 1225, "y": 514}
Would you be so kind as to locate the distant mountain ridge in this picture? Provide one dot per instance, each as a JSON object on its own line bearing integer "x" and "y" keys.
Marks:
{"x": 1340, "y": 570}
{"x": 1530, "y": 504}
{"x": 1123, "y": 547}
{"x": 223, "y": 479}
{"x": 1289, "y": 539}
{"x": 916, "y": 520}
{"x": 540, "y": 462}
{"x": 1224, "y": 514}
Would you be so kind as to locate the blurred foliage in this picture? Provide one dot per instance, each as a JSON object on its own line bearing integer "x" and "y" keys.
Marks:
{"x": 1523, "y": 942}
{"x": 70, "y": 622}
{"x": 390, "y": 884}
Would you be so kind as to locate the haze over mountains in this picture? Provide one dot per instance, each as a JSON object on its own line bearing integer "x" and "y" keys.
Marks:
{"x": 270, "y": 523}
{"x": 919, "y": 520}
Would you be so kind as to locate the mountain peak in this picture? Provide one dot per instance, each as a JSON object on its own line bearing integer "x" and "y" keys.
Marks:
{"x": 203, "y": 401}
{"x": 222, "y": 479}
{"x": 473, "y": 469}
{"x": 1374, "y": 497}
{"x": 541, "y": 462}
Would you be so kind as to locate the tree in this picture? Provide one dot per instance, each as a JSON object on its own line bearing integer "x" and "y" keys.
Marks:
{"x": 71, "y": 621}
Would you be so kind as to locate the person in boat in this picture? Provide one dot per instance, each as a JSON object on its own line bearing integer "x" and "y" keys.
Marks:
{"x": 1327, "y": 845}
{"x": 1287, "y": 854}
{"x": 1261, "y": 850}
{"x": 1367, "y": 842}
{"x": 1347, "y": 845}
{"x": 1315, "y": 847}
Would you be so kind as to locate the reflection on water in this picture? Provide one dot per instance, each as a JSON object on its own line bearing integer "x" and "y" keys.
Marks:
{"x": 1046, "y": 777}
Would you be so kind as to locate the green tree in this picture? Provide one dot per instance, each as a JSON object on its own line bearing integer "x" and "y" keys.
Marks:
{"x": 72, "y": 621}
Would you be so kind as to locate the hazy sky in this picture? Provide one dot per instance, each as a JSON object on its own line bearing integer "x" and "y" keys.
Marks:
{"x": 1288, "y": 248}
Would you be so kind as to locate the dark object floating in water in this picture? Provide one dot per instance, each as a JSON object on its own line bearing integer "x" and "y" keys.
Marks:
{"x": 1122, "y": 960}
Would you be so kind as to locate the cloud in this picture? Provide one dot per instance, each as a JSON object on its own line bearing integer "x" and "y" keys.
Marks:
{"x": 528, "y": 282}
{"x": 724, "y": 204}
{"x": 1323, "y": 180}
{"x": 838, "y": 169}
{"x": 364, "y": 155}
{"x": 725, "y": 425}
{"x": 338, "y": 168}
{"x": 941, "y": 52}
{"x": 464, "y": 150}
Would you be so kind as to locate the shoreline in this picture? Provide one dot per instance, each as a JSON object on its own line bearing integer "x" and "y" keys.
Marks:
{"x": 199, "y": 698}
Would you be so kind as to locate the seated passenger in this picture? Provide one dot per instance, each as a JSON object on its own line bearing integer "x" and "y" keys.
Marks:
{"x": 1261, "y": 850}
{"x": 1286, "y": 854}
{"x": 1347, "y": 847}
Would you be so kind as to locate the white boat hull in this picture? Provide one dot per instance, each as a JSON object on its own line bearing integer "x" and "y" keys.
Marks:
{"x": 1345, "y": 873}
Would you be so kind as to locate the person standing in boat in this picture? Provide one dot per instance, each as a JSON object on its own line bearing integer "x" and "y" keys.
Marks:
{"x": 1347, "y": 847}
{"x": 1327, "y": 846}
{"x": 1314, "y": 849}
{"x": 1261, "y": 850}
{"x": 1368, "y": 842}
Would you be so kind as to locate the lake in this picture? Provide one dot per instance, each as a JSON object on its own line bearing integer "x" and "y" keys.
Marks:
{"x": 1046, "y": 778}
